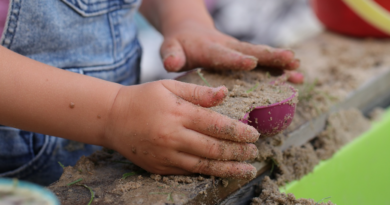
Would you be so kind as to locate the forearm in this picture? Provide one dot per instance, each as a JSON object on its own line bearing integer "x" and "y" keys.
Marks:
{"x": 165, "y": 15}
{"x": 44, "y": 99}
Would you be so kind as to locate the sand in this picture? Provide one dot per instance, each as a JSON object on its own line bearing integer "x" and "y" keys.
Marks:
{"x": 247, "y": 90}
{"x": 271, "y": 196}
{"x": 339, "y": 132}
{"x": 103, "y": 173}
{"x": 296, "y": 162}
{"x": 334, "y": 66}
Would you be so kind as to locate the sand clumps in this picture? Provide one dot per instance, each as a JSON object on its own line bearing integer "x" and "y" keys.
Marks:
{"x": 156, "y": 177}
{"x": 174, "y": 179}
{"x": 240, "y": 101}
{"x": 342, "y": 128}
{"x": 247, "y": 89}
{"x": 114, "y": 180}
{"x": 271, "y": 196}
{"x": 296, "y": 162}
{"x": 291, "y": 164}
{"x": 376, "y": 114}
{"x": 125, "y": 187}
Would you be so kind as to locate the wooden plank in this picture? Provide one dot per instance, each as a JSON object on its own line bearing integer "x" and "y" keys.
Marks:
{"x": 371, "y": 94}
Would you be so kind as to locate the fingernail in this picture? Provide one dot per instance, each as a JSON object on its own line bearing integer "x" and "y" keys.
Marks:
{"x": 293, "y": 52}
{"x": 225, "y": 91}
{"x": 217, "y": 89}
{"x": 169, "y": 63}
{"x": 251, "y": 58}
{"x": 167, "y": 56}
{"x": 253, "y": 134}
{"x": 249, "y": 172}
{"x": 296, "y": 60}
{"x": 278, "y": 62}
{"x": 250, "y": 62}
{"x": 296, "y": 77}
{"x": 294, "y": 64}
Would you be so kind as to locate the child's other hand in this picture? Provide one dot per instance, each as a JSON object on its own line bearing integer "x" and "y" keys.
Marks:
{"x": 165, "y": 128}
{"x": 192, "y": 45}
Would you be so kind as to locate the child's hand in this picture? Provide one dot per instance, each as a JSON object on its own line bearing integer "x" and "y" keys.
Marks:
{"x": 191, "y": 45}
{"x": 164, "y": 128}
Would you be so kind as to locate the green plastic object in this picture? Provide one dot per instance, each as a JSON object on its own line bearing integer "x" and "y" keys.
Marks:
{"x": 357, "y": 174}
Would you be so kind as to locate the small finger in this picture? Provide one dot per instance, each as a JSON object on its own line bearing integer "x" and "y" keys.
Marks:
{"x": 207, "y": 147}
{"x": 224, "y": 169}
{"x": 268, "y": 56}
{"x": 213, "y": 124}
{"x": 196, "y": 94}
{"x": 295, "y": 77}
{"x": 172, "y": 55}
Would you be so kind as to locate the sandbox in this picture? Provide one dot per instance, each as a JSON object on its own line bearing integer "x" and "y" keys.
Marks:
{"x": 340, "y": 73}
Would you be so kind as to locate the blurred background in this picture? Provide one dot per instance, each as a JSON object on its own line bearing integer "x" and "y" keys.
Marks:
{"x": 279, "y": 23}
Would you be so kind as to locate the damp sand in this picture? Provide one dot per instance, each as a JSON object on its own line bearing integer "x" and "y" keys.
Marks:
{"x": 247, "y": 90}
{"x": 296, "y": 162}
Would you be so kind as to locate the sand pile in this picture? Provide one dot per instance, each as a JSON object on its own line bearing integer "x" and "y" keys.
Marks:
{"x": 296, "y": 162}
{"x": 247, "y": 90}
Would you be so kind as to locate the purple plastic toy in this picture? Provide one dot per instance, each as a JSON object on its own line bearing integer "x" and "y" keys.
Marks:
{"x": 271, "y": 119}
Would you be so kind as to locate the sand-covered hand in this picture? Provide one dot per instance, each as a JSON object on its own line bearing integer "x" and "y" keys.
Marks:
{"x": 166, "y": 128}
{"x": 191, "y": 45}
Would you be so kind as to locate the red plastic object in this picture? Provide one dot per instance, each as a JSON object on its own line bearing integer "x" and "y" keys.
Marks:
{"x": 338, "y": 17}
{"x": 272, "y": 119}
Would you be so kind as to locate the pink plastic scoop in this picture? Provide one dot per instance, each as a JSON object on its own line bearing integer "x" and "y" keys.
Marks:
{"x": 270, "y": 120}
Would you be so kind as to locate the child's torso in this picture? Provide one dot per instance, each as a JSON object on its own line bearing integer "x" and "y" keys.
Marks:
{"x": 92, "y": 36}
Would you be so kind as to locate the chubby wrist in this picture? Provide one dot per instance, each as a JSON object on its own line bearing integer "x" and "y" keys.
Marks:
{"x": 120, "y": 103}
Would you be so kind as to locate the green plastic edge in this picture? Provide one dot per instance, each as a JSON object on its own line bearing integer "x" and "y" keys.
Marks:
{"x": 381, "y": 127}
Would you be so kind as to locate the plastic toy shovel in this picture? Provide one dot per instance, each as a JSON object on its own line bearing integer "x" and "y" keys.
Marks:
{"x": 270, "y": 120}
